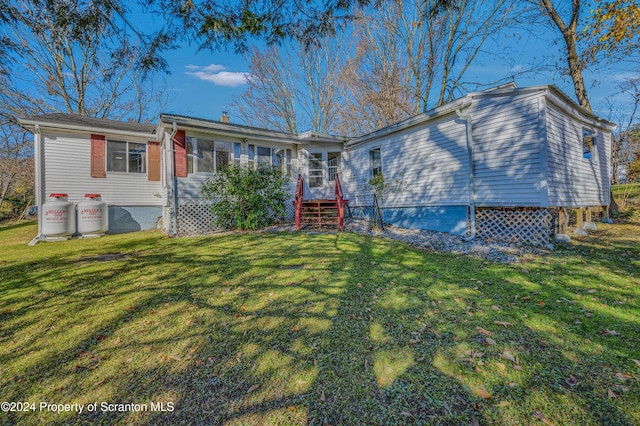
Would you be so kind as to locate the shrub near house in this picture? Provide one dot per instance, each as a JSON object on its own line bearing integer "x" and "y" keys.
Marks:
{"x": 245, "y": 198}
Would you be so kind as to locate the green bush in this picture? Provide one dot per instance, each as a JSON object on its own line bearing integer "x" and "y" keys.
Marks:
{"x": 243, "y": 198}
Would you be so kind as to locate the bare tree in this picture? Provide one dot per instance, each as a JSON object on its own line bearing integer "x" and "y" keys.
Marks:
{"x": 293, "y": 91}
{"x": 376, "y": 94}
{"x": 270, "y": 98}
{"x": 624, "y": 144}
{"x": 413, "y": 55}
{"x": 64, "y": 67}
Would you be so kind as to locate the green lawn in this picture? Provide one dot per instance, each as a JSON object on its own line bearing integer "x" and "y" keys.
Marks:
{"x": 340, "y": 328}
{"x": 630, "y": 190}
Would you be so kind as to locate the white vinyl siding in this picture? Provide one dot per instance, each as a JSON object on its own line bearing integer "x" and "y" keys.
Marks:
{"x": 430, "y": 158}
{"x": 506, "y": 150}
{"x": 575, "y": 181}
{"x": 67, "y": 169}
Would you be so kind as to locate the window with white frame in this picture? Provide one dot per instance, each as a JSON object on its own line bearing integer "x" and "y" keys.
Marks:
{"x": 375, "y": 162}
{"x": 588, "y": 144}
{"x": 126, "y": 157}
{"x": 315, "y": 170}
{"x": 281, "y": 160}
{"x": 207, "y": 156}
{"x": 333, "y": 165}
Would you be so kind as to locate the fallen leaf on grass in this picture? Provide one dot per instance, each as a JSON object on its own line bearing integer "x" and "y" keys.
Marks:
{"x": 322, "y": 397}
{"x": 502, "y": 323}
{"x": 623, "y": 376}
{"x": 607, "y": 332}
{"x": 483, "y": 331}
{"x": 612, "y": 394}
{"x": 413, "y": 341}
{"x": 495, "y": 307}
{"x": 292, "y": 409}
{"x": 571, "y": 380}
{"x": 490, "y": 341}
{"x": 593, "y": 290}
{"x": 538, "y": 415}
{"x": 482, "y": 392}
{"x": 406, "y": 414}
{"x": 506, "y": 355}
{"x": 296, "y": 328}
{"x": 636, "y": 361}
{"x": 501, "y": 366}
{"x": 253, "y": 388}
{"x": 518, "y": 368}
{"x": 101, "y": 382}
{"x": 541, "y": 303}
{"x": 503, "y": 404}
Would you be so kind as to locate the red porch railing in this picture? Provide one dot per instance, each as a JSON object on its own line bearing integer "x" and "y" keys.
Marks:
{"x": 299, "y": 201}
{"x": 339, "y": 201}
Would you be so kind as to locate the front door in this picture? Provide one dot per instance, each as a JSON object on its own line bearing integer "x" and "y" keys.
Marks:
{"x": 322, "y": 167}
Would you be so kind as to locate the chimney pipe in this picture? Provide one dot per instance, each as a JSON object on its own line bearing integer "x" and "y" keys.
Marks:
{"x": 225, "y": 117}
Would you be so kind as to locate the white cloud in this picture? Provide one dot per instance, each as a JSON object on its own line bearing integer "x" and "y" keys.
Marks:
{"x": 214, "y": 68}
{"x": 516, "y": 68}
{"x": 214, "y": 73}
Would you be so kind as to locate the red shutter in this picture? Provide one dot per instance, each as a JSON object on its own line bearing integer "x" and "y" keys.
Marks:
{"x": 153, "y": 151}
{"x": 180, "y": 153}
{"x": 98, "y": 163}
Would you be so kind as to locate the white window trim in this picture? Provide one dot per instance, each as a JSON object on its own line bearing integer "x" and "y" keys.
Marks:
{"x": 594, "y": 144}
{"x": 127, "y": 172}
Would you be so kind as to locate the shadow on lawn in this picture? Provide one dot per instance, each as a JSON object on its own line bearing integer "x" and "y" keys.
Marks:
{"x": 258, "y": 328}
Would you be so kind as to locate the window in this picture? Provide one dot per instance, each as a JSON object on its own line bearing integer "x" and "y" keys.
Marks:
{"x": 315, "y": 170}
{"x": 236, "y": 154}
{"x": 375, "y": 162}
{"x": 126, "y": 157}
{"x": 333, "y": 165}
{"x": 223, "y": 155}
{"x": 251, "y": 156}
{"x": 281, "y": 160}
{"x": 206, "y": 156}
{"x": 264, "y": 156}
{"x": 588, "y": 144}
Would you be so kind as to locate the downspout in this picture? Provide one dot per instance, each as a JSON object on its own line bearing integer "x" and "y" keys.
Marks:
{"x": 472, "y": 176}
{"x": 174, "y": 191}
{"x": 38, "y": 171}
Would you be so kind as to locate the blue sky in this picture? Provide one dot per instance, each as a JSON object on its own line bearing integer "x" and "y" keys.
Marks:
{"x": 203, "y": 83}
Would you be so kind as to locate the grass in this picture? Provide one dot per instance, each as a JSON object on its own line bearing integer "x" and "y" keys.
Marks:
{"x": 340, "y": 328}
{"x": 630, "y": 190}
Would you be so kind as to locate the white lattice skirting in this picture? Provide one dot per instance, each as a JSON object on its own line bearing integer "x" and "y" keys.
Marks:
{"x": 533, "y": 226}
{"x": 196, "y": 218}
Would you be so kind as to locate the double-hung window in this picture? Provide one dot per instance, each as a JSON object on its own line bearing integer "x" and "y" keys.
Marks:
{"x": 333, "y": 165}
{"x": 315, "y": 170}
{"x": 375, "y": 163}
{"x": 207, "y": 156}
{"x": 588, "y": 144}
{"x": 126, "y": 157}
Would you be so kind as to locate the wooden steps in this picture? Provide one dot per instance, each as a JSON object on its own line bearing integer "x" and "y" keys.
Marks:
{"x": 319, "y": 213}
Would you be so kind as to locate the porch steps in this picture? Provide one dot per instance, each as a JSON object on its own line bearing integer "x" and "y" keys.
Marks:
{"x": 319, "y": 214}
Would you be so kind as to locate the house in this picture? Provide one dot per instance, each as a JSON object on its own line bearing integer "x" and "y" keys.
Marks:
{"x": 501, "y": 163}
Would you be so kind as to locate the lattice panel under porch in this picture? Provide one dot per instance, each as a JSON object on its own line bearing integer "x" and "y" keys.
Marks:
{"x": 196, "y": 218}
{"x": 515, "y": 226}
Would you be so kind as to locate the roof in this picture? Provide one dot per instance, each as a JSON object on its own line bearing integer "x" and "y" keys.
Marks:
{"x": 235, "y": 129}
{"x": 465, "y": 101}
{"x": 87, "y": 123}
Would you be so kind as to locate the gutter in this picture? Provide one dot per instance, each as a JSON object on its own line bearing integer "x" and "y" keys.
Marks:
{"x": 472, "y": 178}
{"x": 174, "y": 191}
{"x": 37, "y": 160}
{"x": 413, "y": 121}
{"x": 101, "y": 130}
